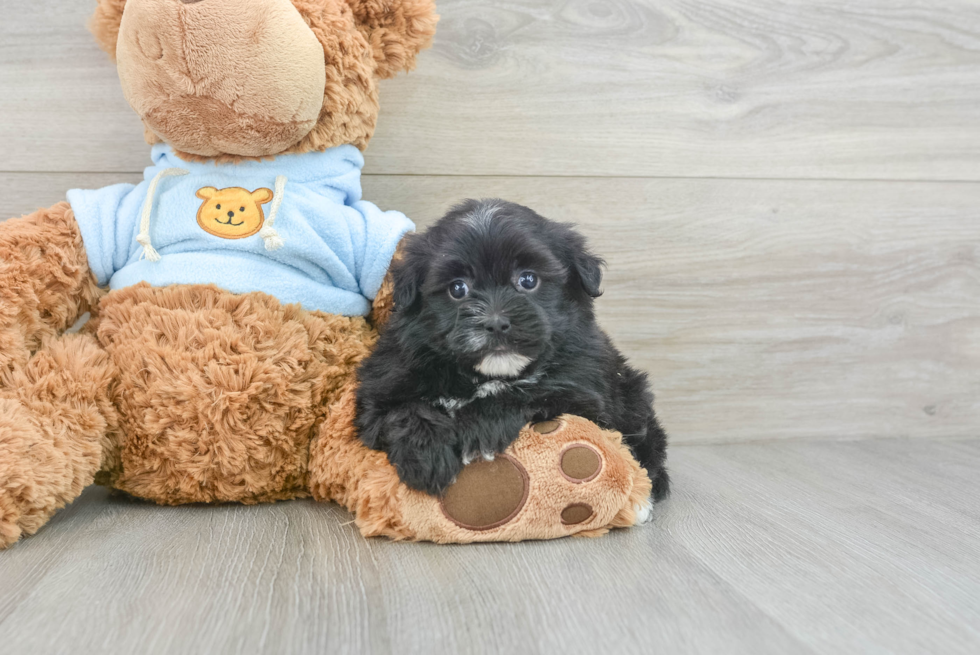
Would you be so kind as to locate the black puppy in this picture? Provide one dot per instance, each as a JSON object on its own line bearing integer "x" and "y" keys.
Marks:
{"x": 494, "y": 327}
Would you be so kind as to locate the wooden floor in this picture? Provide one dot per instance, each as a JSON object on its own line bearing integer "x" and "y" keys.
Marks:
{"x": 788, "y": 195}
{"x": 780, "y": 547}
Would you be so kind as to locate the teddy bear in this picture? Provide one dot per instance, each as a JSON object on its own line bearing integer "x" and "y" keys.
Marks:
{"x": 234, "y": 292}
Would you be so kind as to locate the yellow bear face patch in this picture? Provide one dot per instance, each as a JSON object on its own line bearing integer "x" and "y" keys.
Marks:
{"x": 232, "y": 213}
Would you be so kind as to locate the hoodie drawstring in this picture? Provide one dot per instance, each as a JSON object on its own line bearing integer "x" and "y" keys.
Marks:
{"x": 268, "y": 233}
{"x": 143, "y": 238}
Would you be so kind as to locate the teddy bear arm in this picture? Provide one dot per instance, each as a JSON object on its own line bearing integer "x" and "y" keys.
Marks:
{"x": 384, "y": 303}
{"x": 45, "y": 281}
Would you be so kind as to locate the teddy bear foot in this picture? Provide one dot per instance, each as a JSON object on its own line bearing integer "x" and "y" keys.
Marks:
{"x": 22, "y": 506}
{"x": 10, "y": 530}
{"x": 560, "y": 478}
{"x": 53, "y": 427}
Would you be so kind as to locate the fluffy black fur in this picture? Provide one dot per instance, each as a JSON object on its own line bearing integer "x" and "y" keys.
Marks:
{"x": 422, "y": 399}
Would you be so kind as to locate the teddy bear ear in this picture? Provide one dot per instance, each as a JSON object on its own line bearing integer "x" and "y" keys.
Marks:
{"x": 104, "y": 24}
{"x": 397, "y": 30}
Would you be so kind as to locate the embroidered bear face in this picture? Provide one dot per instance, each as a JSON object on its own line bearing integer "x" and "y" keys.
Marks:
{"x": 232, "y": 213}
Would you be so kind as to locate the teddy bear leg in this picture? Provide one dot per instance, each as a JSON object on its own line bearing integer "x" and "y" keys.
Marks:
{"x": 560, "y": 478}
{"x": 344, "y": 470}
{"x": 57, "y": 428}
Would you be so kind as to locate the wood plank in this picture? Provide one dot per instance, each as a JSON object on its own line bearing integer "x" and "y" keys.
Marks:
{"x": 621, "y": 594}
{"x": 802, "y": 547}
{"x": 61, "y": 106}
{"x": 761, "y": 309}
{"x": 296, "y": 577}
{"x": 837, "y": 547}
{"x": 722, "y": 88}
{"x": 232, "y": 577}
{"x": 126, "y": 576}
{"x": 23, "y": 193}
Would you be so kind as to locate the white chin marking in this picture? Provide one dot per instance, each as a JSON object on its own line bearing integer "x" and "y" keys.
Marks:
{"x": 503, "y": 365}
{"x": 644, "y": 512}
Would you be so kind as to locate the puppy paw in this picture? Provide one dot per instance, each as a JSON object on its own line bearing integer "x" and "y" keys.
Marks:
{"x": 487, "y": 456}
{"x": 644, "y": 512}
{"x": 430, "y": 470}
{"x": 562, "y": 477}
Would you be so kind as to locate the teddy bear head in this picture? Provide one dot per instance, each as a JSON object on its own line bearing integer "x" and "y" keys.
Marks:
{"x": 227, "y": 79}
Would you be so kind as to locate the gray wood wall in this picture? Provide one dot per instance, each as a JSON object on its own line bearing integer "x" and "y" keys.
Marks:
{"x": 788, "y": 193}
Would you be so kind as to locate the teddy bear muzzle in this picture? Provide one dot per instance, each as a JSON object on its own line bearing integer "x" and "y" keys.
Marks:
{"x": 210, "y": 77}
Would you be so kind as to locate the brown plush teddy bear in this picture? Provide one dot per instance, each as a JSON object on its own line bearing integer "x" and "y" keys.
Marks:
{"x": 231, "y": 294}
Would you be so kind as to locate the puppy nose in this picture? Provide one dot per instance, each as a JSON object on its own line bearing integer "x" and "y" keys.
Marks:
{"x": 231, "y": 214}
{"x": 497, "y": 324}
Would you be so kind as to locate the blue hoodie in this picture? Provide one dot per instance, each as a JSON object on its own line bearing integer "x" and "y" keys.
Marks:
{"x": 294, "y": 227}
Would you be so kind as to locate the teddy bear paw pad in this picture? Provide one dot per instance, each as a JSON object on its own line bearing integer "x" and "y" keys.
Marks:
{"x": 576, "y": 513}
{"x": 546, "y": 427}
{"x": 580, "y": 463}
{"x": 487, "y": 494}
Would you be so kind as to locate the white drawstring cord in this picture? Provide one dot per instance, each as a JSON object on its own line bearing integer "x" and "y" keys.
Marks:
{"x": 268, "y": 233}
{"x": 143, "y": 238}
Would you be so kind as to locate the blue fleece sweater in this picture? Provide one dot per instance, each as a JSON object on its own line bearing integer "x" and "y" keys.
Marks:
{"x": 294, "y": 227}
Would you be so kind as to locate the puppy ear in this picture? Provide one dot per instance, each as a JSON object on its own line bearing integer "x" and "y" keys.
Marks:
{"x": 409, "y": 273}
{"x": 588, "y": 268}
{"x": 584, "y": 268}
{"x": 206, "y": 193}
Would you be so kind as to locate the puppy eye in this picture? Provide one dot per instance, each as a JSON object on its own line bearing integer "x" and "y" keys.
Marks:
{"x": 219, "y": 207}
{"x": 241, "y": 209}
{"x": 458, "y": 289}
{"x": 528, "y": 280}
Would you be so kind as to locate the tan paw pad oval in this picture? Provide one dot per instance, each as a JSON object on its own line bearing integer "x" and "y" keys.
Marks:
{"x": 576, "y": 513}
{"x": 580, "y": 463}
{"x": 546, "y": 427}
{"x": 487, "y": 494}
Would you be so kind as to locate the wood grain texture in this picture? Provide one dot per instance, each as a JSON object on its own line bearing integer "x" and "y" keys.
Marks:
{"x": 792, "y": 547}
{"x": 789, "y": 525}
{"x": 768, "y": 311}
{"x": 761, "y": 309}
{"x": 746, "y": 88}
